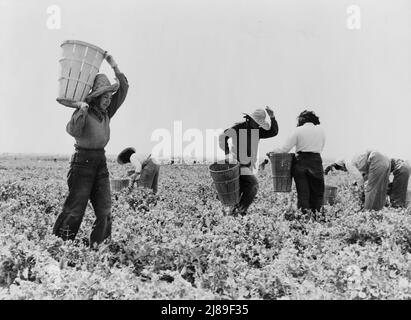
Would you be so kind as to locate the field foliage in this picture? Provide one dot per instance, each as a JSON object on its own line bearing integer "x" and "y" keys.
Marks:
{"x": 180, "y": 245}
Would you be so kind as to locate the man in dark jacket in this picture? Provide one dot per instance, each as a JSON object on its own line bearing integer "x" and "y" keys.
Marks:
{"x": 88, "y": 177}
{"x": 261, "y": 124}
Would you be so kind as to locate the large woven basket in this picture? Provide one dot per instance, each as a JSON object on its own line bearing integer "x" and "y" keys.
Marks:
{"x": 119, "y": 184}
{"x": 330, "y": 193}
{"x": 281, "y": 164}
{"x": 226, "y": 179}
{"x": 79, "y": 66}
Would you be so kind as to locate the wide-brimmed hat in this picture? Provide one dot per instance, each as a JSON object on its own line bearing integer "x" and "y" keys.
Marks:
{"x": 124, "y": 156}
{"x": 261, "y": 117}
{"x": 101, "y": 85}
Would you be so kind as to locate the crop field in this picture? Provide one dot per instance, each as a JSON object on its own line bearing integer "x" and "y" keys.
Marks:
{"x": 180, "y": 245}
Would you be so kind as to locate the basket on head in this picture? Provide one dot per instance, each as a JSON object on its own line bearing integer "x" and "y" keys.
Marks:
{"x": 330, "y": 193}
{"x": 119, "y": 184}
{"x": 226, "y": 177}
{"x": 79, "y": 66}
{"x": 281, "y": 164}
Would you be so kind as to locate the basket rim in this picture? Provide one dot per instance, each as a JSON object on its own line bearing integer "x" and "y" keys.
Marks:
{"x": 84, "y": 44}
{"x": 230, "y": 169}
{"x": 67, "y": 102}
{"x": 278, "y": 153}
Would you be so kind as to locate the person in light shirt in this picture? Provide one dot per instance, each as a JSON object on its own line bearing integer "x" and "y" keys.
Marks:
{"x": 308, "y": 139}
{"x": 375, "y": 168}
{"x": 146, "y": 168}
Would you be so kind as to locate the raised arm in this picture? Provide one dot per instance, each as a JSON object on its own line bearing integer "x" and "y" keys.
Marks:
{"x": 78, "y": 120}
{"x": 119, "y": 97}
{"x": 273, "y": 131}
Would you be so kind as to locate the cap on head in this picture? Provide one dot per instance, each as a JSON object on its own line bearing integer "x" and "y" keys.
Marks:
{"x": 261, "y": 117}
{"x": 124, "y": 156}
{"x": 101, "y": 85}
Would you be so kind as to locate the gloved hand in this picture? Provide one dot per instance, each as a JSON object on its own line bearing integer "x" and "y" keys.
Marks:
{"x": 110, "y": 60}
{"x": 82, "y": 105}
{"x": 269, "y": 111}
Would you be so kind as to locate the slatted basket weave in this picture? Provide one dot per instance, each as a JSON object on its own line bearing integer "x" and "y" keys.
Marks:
{"x": 226, "y": 178}
{"x": 119, "y": 184}
{"x": 79, "y": 66}
{"x": 330, "y": 193}
{"x": 281, "y": 164}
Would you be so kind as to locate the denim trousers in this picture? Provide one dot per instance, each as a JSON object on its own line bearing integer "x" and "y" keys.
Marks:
{"x": 308, "y": 176}
{"x": 88, "y": 178}
{"x": 248, "y": 191}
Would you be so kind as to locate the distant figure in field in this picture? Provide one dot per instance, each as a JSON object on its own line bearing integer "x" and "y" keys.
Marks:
{"x": 261, "y": 167}
{"x": 146, "y": 168}
{"x": 307, "y": 170}
{"x": 377, "y": 165}
{"x": 88, "y": 177}
{"x": 246, "y": 135}
{"x": 172, "y": 162}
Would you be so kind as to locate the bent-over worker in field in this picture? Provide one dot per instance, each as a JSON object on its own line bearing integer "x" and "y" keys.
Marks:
{"x": 146, "y": 168}
{"x": 307, "y": 169}
{"x": 246, "y": 135}
{"x": 373, "y": 168}
{"x": 397, "y": 189}
{"x": 88, "y": 177}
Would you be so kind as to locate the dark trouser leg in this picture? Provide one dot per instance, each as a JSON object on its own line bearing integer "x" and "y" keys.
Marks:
{"x": 248, "y": 191}
{"x": 316, "y": 182}
{"x": 155, "y": 179}
{"x": 309, "y": 181}
{"x": 377, "y": 184}
{"x": 80, "y": 182}
{"x": 148, "y": 175}
{"x": 303, "y": 189}
{"x": 101, "y": 200}
{"x": 398, "y": 192}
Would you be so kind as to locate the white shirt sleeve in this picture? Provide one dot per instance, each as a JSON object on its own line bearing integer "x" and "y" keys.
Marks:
{"x": 136, "y": 162}
{"x": 352, "y": 169}
{"x": 289, "y": 144}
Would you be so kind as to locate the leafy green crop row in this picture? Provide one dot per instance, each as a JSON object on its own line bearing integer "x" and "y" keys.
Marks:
{"x": 180, "y": 245}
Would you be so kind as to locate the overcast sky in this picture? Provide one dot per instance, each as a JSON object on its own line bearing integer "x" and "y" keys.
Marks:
{"x": 206, "y": 62}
